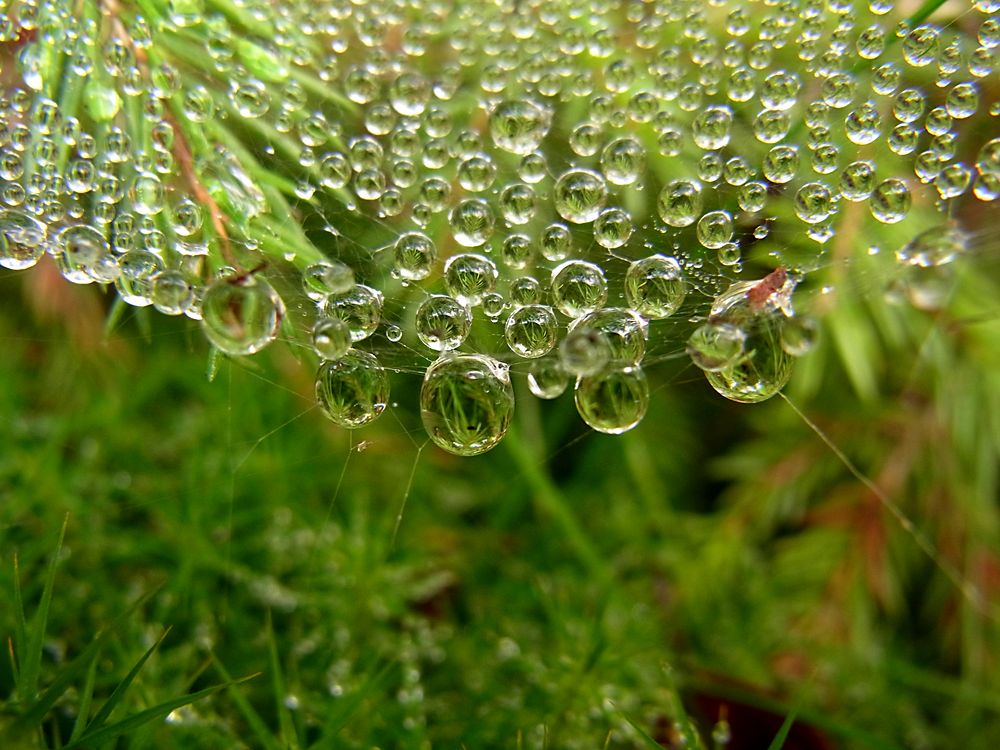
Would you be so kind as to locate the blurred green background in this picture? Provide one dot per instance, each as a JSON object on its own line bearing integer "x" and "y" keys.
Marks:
{"x": 566, "y": 590}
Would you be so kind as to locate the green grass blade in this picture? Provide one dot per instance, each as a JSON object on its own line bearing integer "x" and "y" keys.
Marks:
{"x": 86, "y": 696}
{"x": 21, "y": 627}
{"x": 257, "y": 725}
{"x": 135, "y": 721}
{"x": 286, "y": 726}
{"x": 115, "y": 316}
{"x": 120, "y": 689}
{"x": 31, "y": 662}
{"x": 779, "y": 739}
{"x": 925, "y": 11}
{"x": 33, "y": 715}
{"x": 646, "y": 738}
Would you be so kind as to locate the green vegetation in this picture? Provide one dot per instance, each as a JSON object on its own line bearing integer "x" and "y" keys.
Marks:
{"x": 581, "y": 238}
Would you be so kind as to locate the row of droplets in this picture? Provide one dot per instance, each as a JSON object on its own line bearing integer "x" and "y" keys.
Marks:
{"x": 467, "y": 153}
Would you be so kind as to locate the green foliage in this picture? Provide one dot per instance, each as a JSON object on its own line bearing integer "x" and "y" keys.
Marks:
{"x": 818, "y": 571}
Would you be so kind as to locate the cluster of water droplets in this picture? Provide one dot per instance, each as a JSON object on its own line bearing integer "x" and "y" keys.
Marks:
{"x": 551, "y": 189}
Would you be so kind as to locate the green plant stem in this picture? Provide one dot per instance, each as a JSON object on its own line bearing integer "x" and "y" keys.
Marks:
{"x": 553, "y": 503}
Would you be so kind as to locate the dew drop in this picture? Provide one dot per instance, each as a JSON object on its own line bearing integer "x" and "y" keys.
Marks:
{"x": 331, "y": 338}
{"x": 353, "y": 389}
{"x": 613, "y": 400}
{"x": 442, "y": 323}
{"x": 466, "y": 403}
{"x": 531, "y": 331}
{"x": 360, "y": 307}
{"x": 239, "y": 317}
{"x": 578, "y": 288}
{"x": 546, "y": 378}
{"x": 655, "y": 286}
{"x": 579, "y": 195}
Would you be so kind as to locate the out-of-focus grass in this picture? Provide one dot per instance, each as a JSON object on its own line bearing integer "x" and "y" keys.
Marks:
{"x": 567, "y": 590}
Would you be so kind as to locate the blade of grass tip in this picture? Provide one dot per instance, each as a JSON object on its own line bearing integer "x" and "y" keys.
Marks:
{"x": 144, "y": 323}
{"x": 115, "y": 315}
{"x": 854, "y": 736}
{"x": 286, "y": 726}
{"x": 86, "y": 696}
{"x": 34, "y": 713}
{"x": 135, "y": 721}
{"x": 253, "y": 719}
{"x": 120, "y": 689}
{"x": 13, "y": 660}
{"x": 691, "y": 737}
{"x": 646, "y": 738}
{"x": 31, "y": 665}
{"x": 779, "y": 739}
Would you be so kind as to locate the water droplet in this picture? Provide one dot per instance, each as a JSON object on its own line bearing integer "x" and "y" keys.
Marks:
{"x": 890, "y": 201}
{"x": 613, "y": 400}
{"x": 655, "y": 286}
{"x": 531, "y": 331}
{"x": 352, "y": 390}
{"x": 798, "y": 335}
{"x": 624, "y": 331}
{"x": 715, "y": 345}
{"x": 584, "y": 351}
{"x": 331, "y": 338}
{"x": 578, "y": 288}
{"x": 134, "y": 282}
{"x": 442, "y": 323}
{"x": 325, "y": 278}
{"x": 546, "y": 378}
{"x": 172, "y": 292}
{"x": 715, "y": 229}
{"x": 85, "y": 255}
{"x": 518, "y": 126}
{"x": 414, "y": 256}
{"x": 761, "y": 366}
{"x": 679, "y": 203}
{"x": 469, "y": 277}
{"x": 360, "y": 307}
{"x": 934, "y": 247}
{"x": 622, "y": 161}
{"x": 22, "y": 239}
{"x": 472, "y": 222}
{"x": 579, "y": 195}
{"x": 239, "y": 316}
{"x": 466, "y": 403}
{"x": 711, "y": 128}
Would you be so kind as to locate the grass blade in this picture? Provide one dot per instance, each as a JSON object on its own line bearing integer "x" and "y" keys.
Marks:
{"x": 80, "y": 725}
{"x": 21, "y": 627}
{"x": 249, "y": 713}
{"x": 33, "y": 715}
{"x": 288, "y": 735}
{"x": 119, "y": 692}
{"x": 135, "y": 721}
{"x": 646, "y": 738}
{"x": 779, "y": 739}
{"x": 31, "y": 658}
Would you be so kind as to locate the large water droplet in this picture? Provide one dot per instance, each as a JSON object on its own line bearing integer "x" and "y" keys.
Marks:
{"x": 352, "y": 390}
{"x": 240, "y": 316}
{"x": 466, "y": 403}
{"x": 613, "y": 400}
